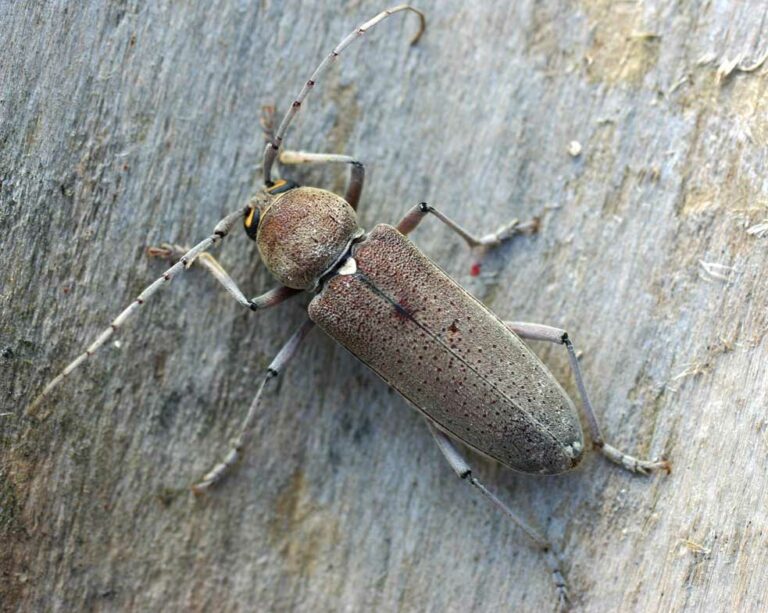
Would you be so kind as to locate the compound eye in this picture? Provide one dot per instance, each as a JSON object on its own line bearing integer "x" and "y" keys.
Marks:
{"x": 251, "y": 222}
{"x": 281, "y": 186}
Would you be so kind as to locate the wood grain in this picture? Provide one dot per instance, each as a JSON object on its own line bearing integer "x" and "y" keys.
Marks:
{"x": 127, "y": 124}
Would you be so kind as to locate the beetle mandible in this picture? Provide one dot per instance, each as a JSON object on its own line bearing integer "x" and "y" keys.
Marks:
{"x": 467, "y": 371}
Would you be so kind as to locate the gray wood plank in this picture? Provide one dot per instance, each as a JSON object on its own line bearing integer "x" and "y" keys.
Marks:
{"x": 125, "y": 124}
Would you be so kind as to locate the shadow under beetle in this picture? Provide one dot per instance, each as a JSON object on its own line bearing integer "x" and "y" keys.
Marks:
{"x": 467, "y": 371}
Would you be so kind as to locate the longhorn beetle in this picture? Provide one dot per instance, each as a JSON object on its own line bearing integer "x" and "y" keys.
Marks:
{"x": 467, "y": 371}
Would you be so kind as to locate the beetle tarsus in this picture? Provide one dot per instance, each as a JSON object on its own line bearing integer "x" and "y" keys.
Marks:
{"x": 558, "y": 578}
{"x": 218, "y": 472}
{"x": 633, "y": 464}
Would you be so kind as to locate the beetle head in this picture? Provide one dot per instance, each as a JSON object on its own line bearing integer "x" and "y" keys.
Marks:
{"x": 301, "y": 233}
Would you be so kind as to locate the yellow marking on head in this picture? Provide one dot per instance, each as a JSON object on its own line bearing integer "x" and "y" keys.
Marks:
{"x": 249, "y": 219}
{"x": 277, "y": 185}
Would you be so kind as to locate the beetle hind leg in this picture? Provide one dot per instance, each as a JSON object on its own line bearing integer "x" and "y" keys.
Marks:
{"x": 539, "y": 332}
{"x": 462, "y": 468}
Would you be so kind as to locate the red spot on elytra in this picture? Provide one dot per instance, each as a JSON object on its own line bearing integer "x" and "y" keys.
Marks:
{"x": 475, "y": 270}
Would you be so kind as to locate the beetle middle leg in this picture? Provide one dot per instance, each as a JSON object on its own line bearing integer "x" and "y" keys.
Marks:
{"x": 478, "y": 244}
{"x": 462, "y": 468}
{"x": 539, "y": 332}
{"x": 218, "y": 472}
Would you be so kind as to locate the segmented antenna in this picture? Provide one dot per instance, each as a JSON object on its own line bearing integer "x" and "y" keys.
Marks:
{"x": 270, "y": 152}
{"x": 219, "y": 232}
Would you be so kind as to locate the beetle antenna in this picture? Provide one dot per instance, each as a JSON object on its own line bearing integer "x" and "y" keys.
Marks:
{"x": 220, "y": 231}
{"x": 270, "y": 152}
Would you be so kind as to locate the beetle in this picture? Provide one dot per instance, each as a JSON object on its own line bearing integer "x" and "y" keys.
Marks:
{"x": 469, "y": 373}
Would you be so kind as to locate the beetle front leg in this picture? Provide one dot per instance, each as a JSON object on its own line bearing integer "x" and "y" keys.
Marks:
{"x": 268, "y": 299}
{"x": 356, "y": 169}
{"x": 462, "y": 468}
{"x": 479, "y": 245}
{"x": 539, "y": 332}
{"x": 218, "y": 472}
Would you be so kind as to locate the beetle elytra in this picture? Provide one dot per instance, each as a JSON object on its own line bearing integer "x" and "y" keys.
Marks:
{"x": 468, "y": 372}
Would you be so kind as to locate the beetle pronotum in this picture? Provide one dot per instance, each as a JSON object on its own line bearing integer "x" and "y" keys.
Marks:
{"x": 467, "y": 371}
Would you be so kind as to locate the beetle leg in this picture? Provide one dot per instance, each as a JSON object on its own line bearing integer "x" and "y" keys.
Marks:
{"x": 462, "y": 468}
{"x": 218, "y": 472}
{"x": 356, "y": 169}
{"x": 416, "y": 214}
{"x": 269, "y": 299}
{"x": 539, "y": 332}
{"x": 478, "y": 244}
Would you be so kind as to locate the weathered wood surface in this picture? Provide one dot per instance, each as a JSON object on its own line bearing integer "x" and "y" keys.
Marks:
{"x": 126, "y": 124}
